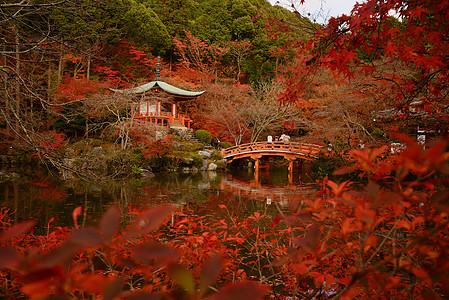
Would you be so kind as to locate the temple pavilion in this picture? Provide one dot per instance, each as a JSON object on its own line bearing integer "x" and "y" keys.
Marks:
{"x": 157, "y": 102}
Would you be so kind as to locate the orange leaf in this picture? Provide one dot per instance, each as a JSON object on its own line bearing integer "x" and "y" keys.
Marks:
{"x": 110, "y": 222}
{"x": 404, "y": 224}
{"x": 93, "y": 283}
{"x": 371, "y": 242}
{"x": 365, "y": 215}
{"x": 337, "y": 188}
{"x": 376, "y": 152}
{"x": 301, "y": 269}
{"x": 149, "y": 220}
{"x": 242, "y": 291}
{"x": 350, "y": 226}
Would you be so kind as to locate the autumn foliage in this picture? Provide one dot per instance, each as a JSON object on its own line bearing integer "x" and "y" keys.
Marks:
{"x": 402, "y": 45}
{"x": 380, "y": 232}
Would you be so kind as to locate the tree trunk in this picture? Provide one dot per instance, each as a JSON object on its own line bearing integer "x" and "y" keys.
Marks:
{"x": 87, "y": 128}
{"x": 17, "y": 89}
{"x": 5, "y": 93}
{"x": 61, "y": 64}
{"x": 88, "y": 67}
{"x": 49, "y": 71}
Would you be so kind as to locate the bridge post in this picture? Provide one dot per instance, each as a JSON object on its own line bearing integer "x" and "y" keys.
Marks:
{"x": 256, "y": 175}
{"x": 290, "y": 171}
{"x": 266, "y": 164}
{"x": 300, "y": 166}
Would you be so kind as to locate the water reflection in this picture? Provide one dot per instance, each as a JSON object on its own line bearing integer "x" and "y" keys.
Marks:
{"x": 41, "y": 196}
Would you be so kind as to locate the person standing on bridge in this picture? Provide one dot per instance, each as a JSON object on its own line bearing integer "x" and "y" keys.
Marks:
{"x": 269, "y": 139}
{"x": 284, "y": 138}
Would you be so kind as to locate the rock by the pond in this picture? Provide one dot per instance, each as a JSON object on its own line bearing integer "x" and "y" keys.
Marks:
{"x": 188, "y": 161}
{"x": 147, "y": 173}
{"x": 212, "y": 167}
{"x": 205, "y": 154}
{"x": 204, "y": 166}
{"x": 203, "y": 185}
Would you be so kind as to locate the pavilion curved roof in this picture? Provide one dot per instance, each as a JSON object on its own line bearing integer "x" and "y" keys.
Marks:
{"x": 161, "y": 85}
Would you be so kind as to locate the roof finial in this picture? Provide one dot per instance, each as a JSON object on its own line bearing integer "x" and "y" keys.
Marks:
{"x": 158, "y": 69}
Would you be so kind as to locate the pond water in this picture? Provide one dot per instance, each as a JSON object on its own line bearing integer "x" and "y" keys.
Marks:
{"x": 42, "y": 197}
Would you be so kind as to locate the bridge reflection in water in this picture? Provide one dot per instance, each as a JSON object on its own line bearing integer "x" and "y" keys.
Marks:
{"x": 282, "y": 195}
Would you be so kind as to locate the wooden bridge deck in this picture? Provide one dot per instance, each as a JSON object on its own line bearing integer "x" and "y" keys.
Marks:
{"x": 290, "y": 150}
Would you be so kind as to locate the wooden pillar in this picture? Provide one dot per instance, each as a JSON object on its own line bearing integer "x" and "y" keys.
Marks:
{"x": 300, "y": 163}
{"x": 173, "y": 109}
{"x": 256, "y": 175}
{"x": 307, "y": 168}
{"x": 266, "y": 163}
{"x": 290, "y": 171}
{"x": 267, "y": 174}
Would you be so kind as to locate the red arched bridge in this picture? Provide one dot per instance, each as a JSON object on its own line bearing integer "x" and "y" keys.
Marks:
{"x": 256, "y": 151}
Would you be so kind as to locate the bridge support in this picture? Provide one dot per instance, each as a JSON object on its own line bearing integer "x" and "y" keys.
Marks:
{"x": 290, "y": 171}
{"x": 258, "y": 165}
{"x": 291, "y": 168}
{"x": 257, "y": 172}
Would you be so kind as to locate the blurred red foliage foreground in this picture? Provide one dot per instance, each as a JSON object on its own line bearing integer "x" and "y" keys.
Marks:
{"x": 381, "y": 235}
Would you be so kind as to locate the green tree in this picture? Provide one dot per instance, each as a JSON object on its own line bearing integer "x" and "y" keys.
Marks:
{"x": 215, "y": 22}
{"x": 176, "y": 14}
{"x": 243, "y": 28}
{"x": 146, "y": 28}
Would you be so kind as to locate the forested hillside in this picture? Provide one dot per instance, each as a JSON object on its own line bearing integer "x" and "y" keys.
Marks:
{"x": 57, "y": 55}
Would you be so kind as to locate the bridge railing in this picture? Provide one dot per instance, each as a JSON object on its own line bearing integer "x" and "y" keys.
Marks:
{"x": 300, "y": 148}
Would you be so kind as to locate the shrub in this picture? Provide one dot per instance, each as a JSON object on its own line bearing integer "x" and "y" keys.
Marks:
{"x": 136, "y": 156}
{"x": 203, "y": 136}
{"x": 225, "y": 145}
{"x": 192, "y": 146}
{"x": 162, "y": 163}
{"x": 96, "y": 143}
{"x": 220, "y": 164}
{"x": 377, "y": 132}
{"x": 216, "y": 155}
{"x": 136, "y": 170}
{"x": 197, "y": 160}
